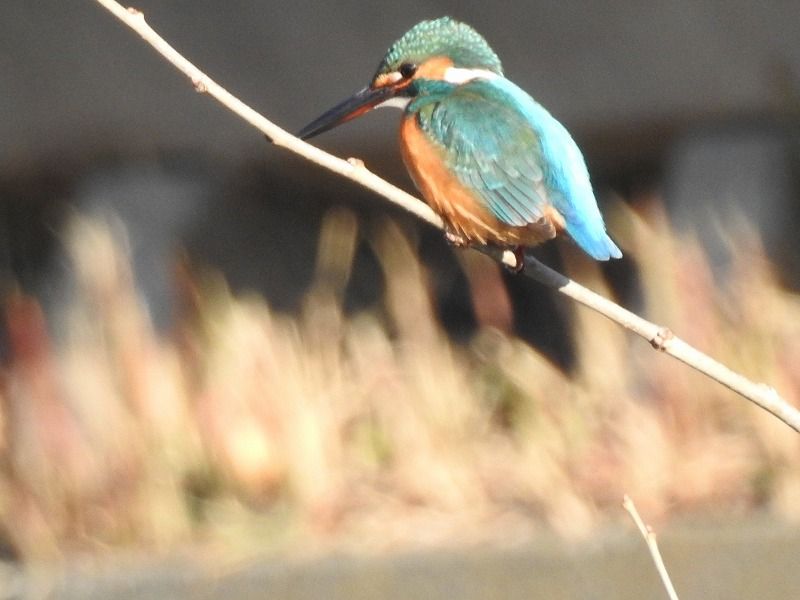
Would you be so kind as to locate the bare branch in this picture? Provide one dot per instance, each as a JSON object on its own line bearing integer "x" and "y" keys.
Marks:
{"x": 650, "y": 537}
{"x": 659, "y": 337}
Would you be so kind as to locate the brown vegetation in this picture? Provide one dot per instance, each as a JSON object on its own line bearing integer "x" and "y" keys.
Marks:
{"x": 247, "y": 428}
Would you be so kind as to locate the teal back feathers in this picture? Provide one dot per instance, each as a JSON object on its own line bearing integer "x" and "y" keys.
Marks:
{"x": 566, "y": 174}
{"x": 513, "y": 154}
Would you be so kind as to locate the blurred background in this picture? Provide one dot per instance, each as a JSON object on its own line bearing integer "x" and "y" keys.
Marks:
{"x": 225, "y": 370}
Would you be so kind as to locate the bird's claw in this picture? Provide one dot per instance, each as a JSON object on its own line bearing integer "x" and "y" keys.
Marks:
{"x": 518, "y": 264}
{"x": 455, "y": 239}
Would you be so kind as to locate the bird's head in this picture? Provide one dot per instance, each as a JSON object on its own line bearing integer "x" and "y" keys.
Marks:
{"x": 439, "y": 50}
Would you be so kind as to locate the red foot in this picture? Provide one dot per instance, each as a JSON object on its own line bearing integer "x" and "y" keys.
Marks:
{"x": 455, "y": 239}
{"x": 519, "y": 257}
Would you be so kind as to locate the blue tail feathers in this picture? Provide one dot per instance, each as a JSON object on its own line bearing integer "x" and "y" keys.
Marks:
{"x": 594, "y": 241}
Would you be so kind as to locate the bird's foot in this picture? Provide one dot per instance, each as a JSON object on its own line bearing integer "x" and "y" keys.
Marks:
{"x": 455, "y": 239}
{"x": 515, "y": 263}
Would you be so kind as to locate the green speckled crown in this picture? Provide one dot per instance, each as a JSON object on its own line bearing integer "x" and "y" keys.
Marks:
{"x": 441, "y": 37}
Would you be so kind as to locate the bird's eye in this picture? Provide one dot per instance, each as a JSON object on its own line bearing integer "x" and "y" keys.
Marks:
{"x": 407, "y": 70}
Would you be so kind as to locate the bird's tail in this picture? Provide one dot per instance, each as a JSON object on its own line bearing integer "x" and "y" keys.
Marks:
{"x": 594, "y": 241}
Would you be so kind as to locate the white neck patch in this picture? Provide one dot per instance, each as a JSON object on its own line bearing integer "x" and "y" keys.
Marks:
{"x": 451, "y": 75}
{"x": 459, "y": 76}
{"x": 397, "y": 102}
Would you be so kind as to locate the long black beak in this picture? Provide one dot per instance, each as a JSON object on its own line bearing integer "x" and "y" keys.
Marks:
{"x": 359, "y": 103}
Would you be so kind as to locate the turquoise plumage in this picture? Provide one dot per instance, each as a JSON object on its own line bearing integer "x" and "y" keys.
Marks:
{"x": 487, "y": 144}
{"x": 566, "y": 176}
{"x": 496, "y": 164}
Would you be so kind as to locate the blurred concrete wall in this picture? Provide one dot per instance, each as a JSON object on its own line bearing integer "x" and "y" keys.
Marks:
{"x": 72, "y": 77}
{"x": 92, "y": 119}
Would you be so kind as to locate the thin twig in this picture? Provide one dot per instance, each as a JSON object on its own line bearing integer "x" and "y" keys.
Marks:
{"x": 650, "y": 537}
{"x": 659, "y": 337}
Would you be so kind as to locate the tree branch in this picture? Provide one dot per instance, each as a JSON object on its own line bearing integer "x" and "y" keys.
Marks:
{"x": 659, "y": 337}
{"x": 650, "y": 538}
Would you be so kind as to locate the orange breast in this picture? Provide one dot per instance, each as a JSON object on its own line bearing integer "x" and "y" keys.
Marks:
{"x": 463, "y": 213}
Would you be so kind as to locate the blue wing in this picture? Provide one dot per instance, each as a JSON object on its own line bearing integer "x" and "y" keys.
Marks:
{"x": 517, "y": 158}
{"x": 492, "y": 150}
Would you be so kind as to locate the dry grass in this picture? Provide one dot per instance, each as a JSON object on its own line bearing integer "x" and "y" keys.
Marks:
{"x": 252, "y": 429}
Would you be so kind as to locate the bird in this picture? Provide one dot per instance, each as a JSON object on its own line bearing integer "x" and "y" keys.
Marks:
{"x": 494, "y": 164}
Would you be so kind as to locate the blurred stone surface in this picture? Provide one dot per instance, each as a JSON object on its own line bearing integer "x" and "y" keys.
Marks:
{"x": 750, "y": 560}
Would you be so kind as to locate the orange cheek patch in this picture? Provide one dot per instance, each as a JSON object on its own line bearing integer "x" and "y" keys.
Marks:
{"x": 386, "y": 79}
{"x": 433, "y": 68}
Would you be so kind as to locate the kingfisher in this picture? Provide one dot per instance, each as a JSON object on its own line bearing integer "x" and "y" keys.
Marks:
{"x": 491, "y": 161}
